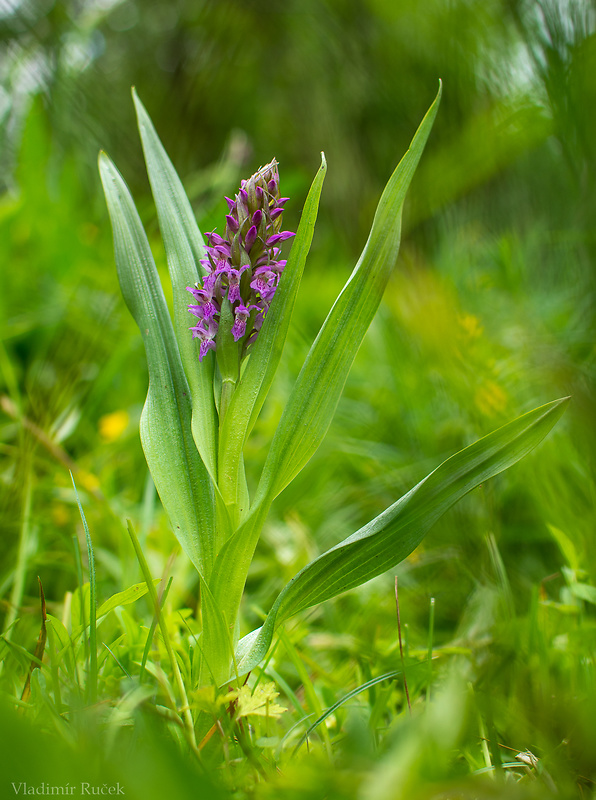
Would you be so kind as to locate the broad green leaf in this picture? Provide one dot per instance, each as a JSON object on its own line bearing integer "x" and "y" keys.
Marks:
{"x": 180, "y": 477}
{"x": 396, "y": 532}
{"x": 184, "y": 248}
{"x": 257, "y": 377}
{"x": 314, "y": 398}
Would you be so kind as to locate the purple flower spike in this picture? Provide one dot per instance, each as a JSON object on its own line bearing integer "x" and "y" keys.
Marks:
{"x": 250, "y": 245}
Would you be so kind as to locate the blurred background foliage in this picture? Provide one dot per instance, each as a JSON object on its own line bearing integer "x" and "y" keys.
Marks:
{"x": 489, "y": 313}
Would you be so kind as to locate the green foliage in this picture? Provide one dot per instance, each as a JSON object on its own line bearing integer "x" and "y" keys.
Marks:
{"x": 489, "y": 312}
{"x": 395, "y": 533}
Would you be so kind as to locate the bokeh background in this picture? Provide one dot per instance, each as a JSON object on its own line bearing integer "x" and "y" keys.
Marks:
{"x": 490, "y": 311}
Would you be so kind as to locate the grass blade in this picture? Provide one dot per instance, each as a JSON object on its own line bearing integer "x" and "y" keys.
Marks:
{"x": 39, "y": 647}
{"x": 388, "y": 676}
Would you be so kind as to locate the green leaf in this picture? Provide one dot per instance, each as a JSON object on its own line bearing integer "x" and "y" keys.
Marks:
{"x": 180, "y": 476}
{"x": 216, "y": 643}
{"x": 396, "y": 532}
{"x": 315, "y": 396}
{"x": 124, "y": 598}
{"x": 258, "y": 702}
{"x": 184, "y": 248}
{"x": 265, "y": 355}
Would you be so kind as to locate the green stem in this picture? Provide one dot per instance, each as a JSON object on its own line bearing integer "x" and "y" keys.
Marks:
{"x": 228, "y": 386}
{"x": 228, "y": 473}
{"x": 431, "y": 631}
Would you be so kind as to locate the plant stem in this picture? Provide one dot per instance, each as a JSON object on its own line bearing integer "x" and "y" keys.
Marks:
{"x": 401, "y": 649}
{"x": 431, "y": 630}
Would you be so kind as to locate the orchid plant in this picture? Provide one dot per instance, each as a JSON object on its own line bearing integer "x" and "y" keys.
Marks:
{"x": 208, "y": 382}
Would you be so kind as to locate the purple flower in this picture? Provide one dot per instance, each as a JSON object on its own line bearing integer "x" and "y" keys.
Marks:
{"x": 206, "y": 335}
{"x": 241, "y": 315}
{"x": 243, "y": 266}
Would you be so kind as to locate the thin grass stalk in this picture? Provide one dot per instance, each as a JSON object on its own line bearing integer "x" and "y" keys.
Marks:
{"x": 161, "y": 599}
{"x": 18, "y": 586}
{"x": 401, "y": 649}
{"x": 431, "y": 631}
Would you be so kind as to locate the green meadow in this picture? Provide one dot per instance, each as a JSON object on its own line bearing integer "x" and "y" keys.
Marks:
{"x": 468, "y": 670}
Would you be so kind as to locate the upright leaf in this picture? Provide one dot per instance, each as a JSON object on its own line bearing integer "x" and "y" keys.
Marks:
{"x": 184, "y": 248}
{"x": 315, "y": 396}
{"x": 180, "y": 476}
{"x": 396, "y": 532}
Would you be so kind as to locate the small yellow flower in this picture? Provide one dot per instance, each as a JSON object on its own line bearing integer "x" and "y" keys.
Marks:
{"x": 60, "y": 515}
{"x": 112, "y": 426}
{"x": 88, "y": 480}
{"x": 471, "y": 325}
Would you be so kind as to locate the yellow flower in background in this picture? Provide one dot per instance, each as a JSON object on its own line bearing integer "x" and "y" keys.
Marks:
{"x": 112, "y": 426}
{"x": 471, "y": 325}
{"x": 60, "y": 515}
{"x": 490, "y": 398}
{"x": 88, "y": 480}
